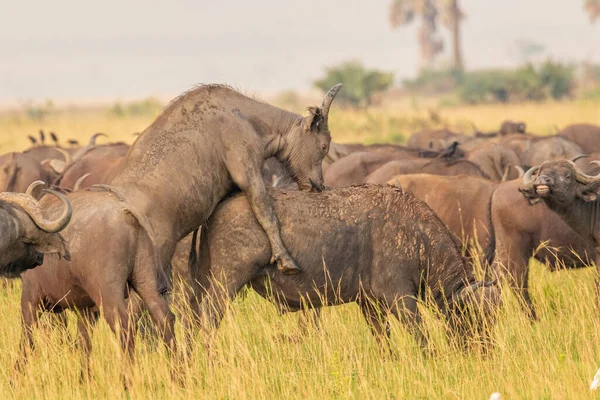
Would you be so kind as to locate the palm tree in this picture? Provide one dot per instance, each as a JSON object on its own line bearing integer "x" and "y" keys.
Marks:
{"x": 403, "y": 12}
{"x": 592, "y": 7}
{"x": 452, "y": 16}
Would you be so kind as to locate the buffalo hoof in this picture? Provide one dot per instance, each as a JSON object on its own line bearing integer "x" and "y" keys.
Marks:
{"x": 287, "y": 266}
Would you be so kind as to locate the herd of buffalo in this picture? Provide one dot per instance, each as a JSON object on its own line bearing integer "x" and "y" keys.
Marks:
{"x": 223, "y": 192}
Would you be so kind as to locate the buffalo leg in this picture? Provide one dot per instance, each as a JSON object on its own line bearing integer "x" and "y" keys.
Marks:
{"x": 29, "y": 317}
{"x": 520, "y": 284}
{"x": 120, "y": 321}
{"x": 407, "y": 312}
{"x": 377, "y": 320}
{"x": 86, "y": 320}
{"x": 512, "y": 263}
{"x": 247, "y": 176}
{"x": 215, "y": 301}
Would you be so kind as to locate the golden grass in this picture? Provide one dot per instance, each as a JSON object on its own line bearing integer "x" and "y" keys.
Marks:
{"x": 553, "y": 358}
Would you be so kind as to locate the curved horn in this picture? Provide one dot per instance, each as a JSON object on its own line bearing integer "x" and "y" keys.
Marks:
{"x": 65, "y": 154}
{"x": 528, "y": 177}
{"x": 33, "y": 186}
{"x": 582, "y": 177}
{"x": 579, "y": 156}
{"x": 466, "y": 291}
{"x": 329, "y": 96}
{"x": 506, "y": 172}
{"x": 93, "y": 138}
{"x": 33, "y": 208}
{"x": 520, "y": 170}
{"x": 82, "y": 178}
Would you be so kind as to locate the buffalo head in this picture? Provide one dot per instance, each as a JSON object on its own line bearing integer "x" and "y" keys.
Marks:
{"x": 26, "y": 232}
{"x": 560, "y": 183}
{"x": 474, "y": 310}
{"x": 307, "y": 143}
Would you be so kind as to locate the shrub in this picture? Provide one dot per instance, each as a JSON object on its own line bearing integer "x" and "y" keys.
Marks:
{"x": 359, "y": 83}
{"x": 527, "y": 83}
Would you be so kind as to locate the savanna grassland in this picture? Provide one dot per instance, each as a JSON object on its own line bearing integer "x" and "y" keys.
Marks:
{"x": 253, "y": 357}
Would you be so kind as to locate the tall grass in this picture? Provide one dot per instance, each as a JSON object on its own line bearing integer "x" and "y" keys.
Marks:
{"x": 553, "y": 358}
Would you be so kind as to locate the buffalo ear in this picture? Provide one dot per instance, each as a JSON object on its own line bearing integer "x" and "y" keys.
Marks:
{"x": 530, "y": 196}
{"x": 314, "y": 121}
{"x": 589, "y": 196}
{"x": 589, "y": 192}
{"x": 49, "y": 243}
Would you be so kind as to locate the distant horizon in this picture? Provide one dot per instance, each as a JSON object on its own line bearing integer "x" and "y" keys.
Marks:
{"x": 113, "y": 51}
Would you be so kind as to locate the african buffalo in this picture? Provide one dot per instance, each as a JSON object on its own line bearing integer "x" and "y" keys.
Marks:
{"x": 509, "y": 233}
{"x": 461, "y": 202}
{"x": 573, "y": 195}
{"x": 18, "y": 171}
{"x": 354, "y": 168}
{"x": 498, "y": 162}
{"x": 587, "y": 136}
{"x": 205, "y": 143}
{"x": 27, "y": 234}
{"x": 101, "y": 164}
{"x": 436, "y": 140}
{"x": 522, "y": 232}
{"x": 436, "y": 166}
{"x": 374, "y": 245}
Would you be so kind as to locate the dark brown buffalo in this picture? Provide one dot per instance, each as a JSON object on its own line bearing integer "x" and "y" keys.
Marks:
{"x": 572, "y": 195}
{"x": 177, "y": 171}
{"x": 27, "y": 234}
{"x": 436, "y": 166}
{"x": 18, "y": 171}
{"x": 587, "y": 136}
{"x": 522, "y": 232}
{"x": 374, "y": 245}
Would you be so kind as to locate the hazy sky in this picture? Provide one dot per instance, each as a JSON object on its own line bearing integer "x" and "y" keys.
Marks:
{"x": 73, "y": 49}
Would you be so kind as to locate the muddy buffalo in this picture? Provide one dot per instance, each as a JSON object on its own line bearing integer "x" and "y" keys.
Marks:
{"x": 374, "y": 245}
{"x": 205, "y": 143}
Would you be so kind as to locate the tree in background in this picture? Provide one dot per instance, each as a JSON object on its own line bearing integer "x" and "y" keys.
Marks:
{"x": 592, "y": 7}
{"x": 359, "y": 83}
{"x": 403, "y": 12}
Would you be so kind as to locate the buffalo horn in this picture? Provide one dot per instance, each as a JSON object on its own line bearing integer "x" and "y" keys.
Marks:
{"x": 33, "y": 208}
{"x": 528, "y": 177}
{"x": 329, "y": 96}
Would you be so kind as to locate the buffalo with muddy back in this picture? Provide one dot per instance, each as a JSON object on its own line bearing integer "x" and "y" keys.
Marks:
{"x": 223, "y": 137}
{"x": 374, "y": 245}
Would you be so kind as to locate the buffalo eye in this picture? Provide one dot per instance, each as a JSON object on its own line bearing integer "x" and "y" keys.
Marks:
{"x": 567, "y": 176}
{"x": 324, "y": 147}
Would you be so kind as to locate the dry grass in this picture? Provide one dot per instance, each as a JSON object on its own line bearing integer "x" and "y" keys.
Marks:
{"x": 553, "y": 358}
